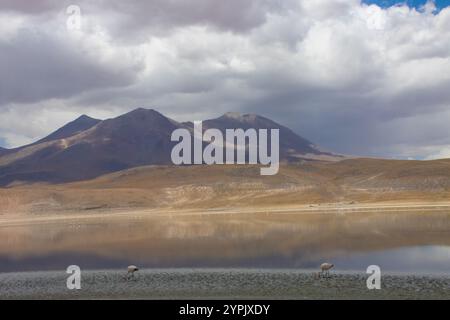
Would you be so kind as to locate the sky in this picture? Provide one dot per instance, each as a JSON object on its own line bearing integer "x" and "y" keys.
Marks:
{"x": 417, "y": 4}
{"x": 367, "y": 79}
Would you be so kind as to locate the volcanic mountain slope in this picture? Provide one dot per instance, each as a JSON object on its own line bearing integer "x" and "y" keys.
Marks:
{"x": 291, "y": 145}
{"x": 140, "y": 137}
{"x": 80, "y": 124}
{"x": 137, "y": 138}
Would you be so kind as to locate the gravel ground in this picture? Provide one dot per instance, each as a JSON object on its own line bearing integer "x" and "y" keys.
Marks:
{"x": 220, "y": 284}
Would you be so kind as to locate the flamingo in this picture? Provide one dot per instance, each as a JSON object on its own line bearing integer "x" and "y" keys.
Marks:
{"x": 326, "y": 267}
{"x": 131, "y": 270}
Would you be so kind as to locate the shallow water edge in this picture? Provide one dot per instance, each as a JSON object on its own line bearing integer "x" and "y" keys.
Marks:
{"x": 221, "y": 284}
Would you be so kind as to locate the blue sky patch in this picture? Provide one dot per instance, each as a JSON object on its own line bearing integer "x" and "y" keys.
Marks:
{"x": 440, "y": 4}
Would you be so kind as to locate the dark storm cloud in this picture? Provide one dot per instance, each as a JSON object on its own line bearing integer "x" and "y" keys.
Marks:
{"x": 29, "y": 7}
{"x": 38, "y": 66}
{"x": 234, "y": 15}
{"x": 146, "y": 15}
{"x": 352, "y": 78}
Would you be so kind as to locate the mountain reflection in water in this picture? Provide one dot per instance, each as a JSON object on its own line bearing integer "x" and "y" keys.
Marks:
{"x": 413, "y": 241}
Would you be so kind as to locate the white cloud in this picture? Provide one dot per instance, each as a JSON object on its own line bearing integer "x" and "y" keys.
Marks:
{"x": 351, "y": 77}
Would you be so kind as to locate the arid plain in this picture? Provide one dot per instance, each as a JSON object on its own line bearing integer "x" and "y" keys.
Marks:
{"x": 349, "y": 184}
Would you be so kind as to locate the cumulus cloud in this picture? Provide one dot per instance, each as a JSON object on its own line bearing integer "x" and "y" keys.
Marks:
{"x": 351, "y": 77}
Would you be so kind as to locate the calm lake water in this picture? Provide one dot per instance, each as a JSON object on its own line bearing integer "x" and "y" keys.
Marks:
{"x": 417, "y": 242}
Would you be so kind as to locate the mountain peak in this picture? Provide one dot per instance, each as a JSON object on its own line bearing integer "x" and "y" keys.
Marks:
{"x": 138, "y": 123}
{"x": 142, "y": 114}
{"x": 81, "y": 123}
{"x": 84, "y": 117}
{"x": 236, "y": 116}
{"x": 232, "y": 115}
{"x": 144, "y": 111}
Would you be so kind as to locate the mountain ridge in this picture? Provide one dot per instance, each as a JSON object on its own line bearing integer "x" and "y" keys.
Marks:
{"x": 291, "y": 144}
{"x": 87, "y": 148}
{"x": 78, "y": 125}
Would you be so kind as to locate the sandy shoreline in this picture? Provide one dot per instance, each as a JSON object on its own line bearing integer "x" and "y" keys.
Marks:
{"x": 221, "y": 284}
{"x": 19, "y": 219}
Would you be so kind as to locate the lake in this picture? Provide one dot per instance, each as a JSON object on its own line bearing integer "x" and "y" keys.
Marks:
{"x": 414, "y": 242}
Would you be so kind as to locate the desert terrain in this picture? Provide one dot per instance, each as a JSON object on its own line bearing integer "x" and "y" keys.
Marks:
{"x": 353, "y": 184}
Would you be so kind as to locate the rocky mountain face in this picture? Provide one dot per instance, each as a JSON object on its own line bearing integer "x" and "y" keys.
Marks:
{"x": 87, "y": 148}
{"x": 291, "y": 144}
{"x": 78, "y": 125}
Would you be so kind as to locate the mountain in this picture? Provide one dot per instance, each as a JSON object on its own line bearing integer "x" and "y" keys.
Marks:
{"x": 78, "y": 125}
{"x": 292, "y": 146}
{"x": 137, "y": 138}
{"x": 2, "y": 150}
{"x": 87, "y": 148}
